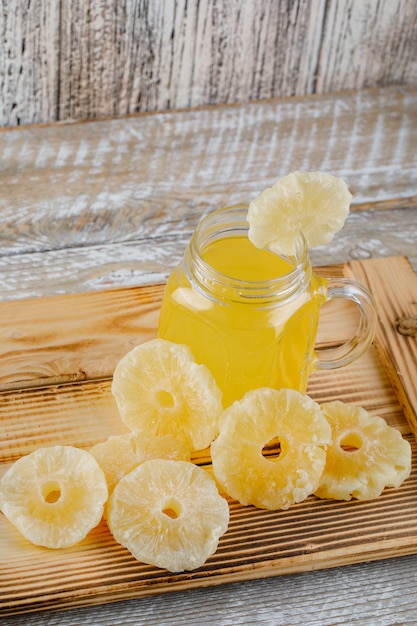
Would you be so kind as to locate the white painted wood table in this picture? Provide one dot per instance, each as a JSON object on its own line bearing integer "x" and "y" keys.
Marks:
{"x": 110, "y": 204}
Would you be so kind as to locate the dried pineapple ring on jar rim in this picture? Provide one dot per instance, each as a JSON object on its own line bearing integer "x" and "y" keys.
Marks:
{"x": 315, "y": 204}
{"x": 240, "y": 462}
{"x": 366, "y": 455}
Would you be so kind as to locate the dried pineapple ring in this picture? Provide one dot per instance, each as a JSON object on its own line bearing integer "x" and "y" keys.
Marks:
{"x": 160, "y": 390}
{"x": 366, "y": 454}
{"x": 314, "y": 203}
{"x": 169, "y": 514}
{"x": 248, "y": 425}
{"x": 119, "y": 454}
{"x": 54, "y": 495}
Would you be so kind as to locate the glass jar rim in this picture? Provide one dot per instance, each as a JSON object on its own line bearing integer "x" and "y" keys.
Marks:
{"x": 232, "y": 221}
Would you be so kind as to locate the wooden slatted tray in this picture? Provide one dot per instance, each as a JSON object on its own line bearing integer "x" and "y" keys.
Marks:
{"x": 57, "y": 357}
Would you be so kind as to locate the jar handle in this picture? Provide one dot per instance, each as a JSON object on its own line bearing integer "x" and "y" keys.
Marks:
{"x": 339, "y": 356}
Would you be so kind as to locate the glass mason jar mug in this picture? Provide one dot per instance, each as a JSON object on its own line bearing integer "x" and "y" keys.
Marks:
{"x": 250, "y": 315}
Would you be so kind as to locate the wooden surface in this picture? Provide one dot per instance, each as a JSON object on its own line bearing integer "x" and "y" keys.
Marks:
{"x": 75, "y": 60}
{"x": 111, "y": 204}
{"x": 102, "y": 204}
{"x": 313, "y": 534}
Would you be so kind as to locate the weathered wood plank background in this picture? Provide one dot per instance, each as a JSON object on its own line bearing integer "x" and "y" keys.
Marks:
{"x": 112, "y": 203}
{"x": 84, "y": 59}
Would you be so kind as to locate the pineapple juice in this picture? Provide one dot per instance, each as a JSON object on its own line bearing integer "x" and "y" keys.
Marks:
{"x": 248, "y": 314}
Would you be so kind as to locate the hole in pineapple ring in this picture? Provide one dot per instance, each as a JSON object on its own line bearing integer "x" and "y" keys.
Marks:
{"x": 172, "y": 508}
{"x": 272, "y": 449}
{"x": 164, "y": 399}
{"x": 351, "y": 442}
{"x": 51, "y": 491}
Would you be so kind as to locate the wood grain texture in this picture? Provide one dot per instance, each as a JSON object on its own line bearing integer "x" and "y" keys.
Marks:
{"x": 83, "y": 60}
{"x": 113, "y": 203}
{"x": 73, "y": 339}
{"x": 313, "y": 534}
{"x": 380, "y": 600}
{"x": 367, "y": 43}
{"x": 397, "y": 352}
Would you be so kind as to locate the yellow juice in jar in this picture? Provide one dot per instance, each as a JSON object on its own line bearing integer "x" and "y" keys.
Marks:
{"x": 248, "y": 314}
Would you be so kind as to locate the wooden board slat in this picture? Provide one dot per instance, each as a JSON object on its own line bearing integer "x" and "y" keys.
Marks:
{"x": 310, "y": 535}
{"x": 62, "y": 339}
{"x": 109, "y": 58}
{"x": 396, "y": 299}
